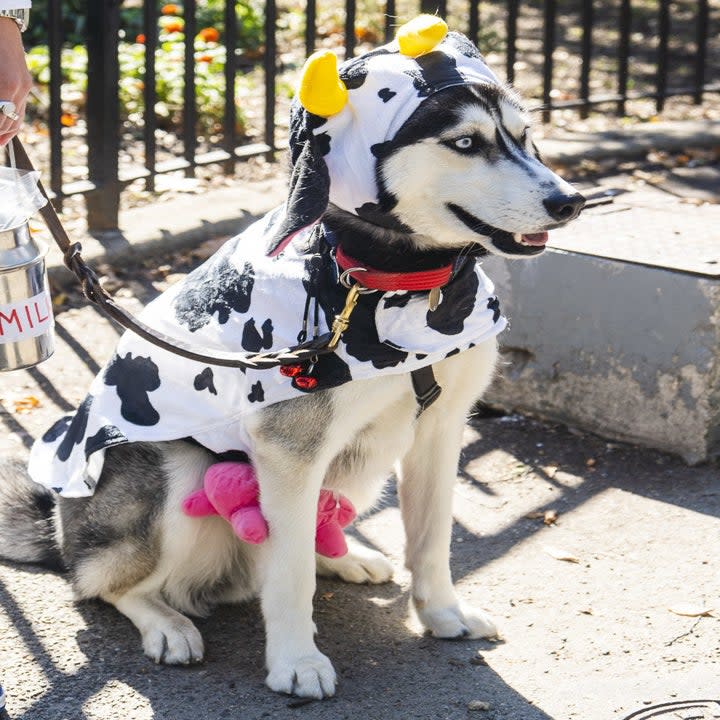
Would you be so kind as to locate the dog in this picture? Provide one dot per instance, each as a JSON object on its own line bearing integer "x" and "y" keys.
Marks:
{"x": 408, "y": 165}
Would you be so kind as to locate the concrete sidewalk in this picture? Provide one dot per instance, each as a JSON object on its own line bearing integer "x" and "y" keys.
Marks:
{"x": 590, "y": 605}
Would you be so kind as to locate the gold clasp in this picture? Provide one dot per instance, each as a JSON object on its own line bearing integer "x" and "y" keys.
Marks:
{"x": 342, "y": 321}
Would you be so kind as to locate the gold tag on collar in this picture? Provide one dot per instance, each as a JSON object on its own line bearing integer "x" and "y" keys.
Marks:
{"x": 434, "y": 299}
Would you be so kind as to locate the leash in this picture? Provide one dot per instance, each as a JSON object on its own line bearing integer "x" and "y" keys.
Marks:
{"x": 423, "y": 380}
{"x": 94, "y": 292}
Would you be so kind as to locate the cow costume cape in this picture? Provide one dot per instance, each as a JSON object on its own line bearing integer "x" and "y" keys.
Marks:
{"x": 266, "y": 288}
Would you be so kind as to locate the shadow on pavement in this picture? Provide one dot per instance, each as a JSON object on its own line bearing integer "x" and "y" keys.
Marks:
{"x": 385, "y": 671}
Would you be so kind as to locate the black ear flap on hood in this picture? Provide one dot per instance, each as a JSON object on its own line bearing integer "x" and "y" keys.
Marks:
{"x": 309, "y": 182}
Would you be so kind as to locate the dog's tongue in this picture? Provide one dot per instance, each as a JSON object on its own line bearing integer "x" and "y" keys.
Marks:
{"x": 535, "y": 238}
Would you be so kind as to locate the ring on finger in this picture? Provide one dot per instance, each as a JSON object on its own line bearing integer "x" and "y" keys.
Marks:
{"x": 8, "y": 108}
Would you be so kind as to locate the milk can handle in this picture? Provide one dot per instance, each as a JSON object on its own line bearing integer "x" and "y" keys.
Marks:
{"x": 13, "y": 166}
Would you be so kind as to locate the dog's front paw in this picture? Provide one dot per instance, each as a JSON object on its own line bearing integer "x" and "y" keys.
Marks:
{"x": 311, "y": 676}
{"x": 359, "y": 565}
{"x": 174, "y": 642}
{"x": 456, "y": 622}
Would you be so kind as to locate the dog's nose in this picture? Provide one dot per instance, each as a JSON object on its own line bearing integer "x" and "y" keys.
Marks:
{"x": 563, "y": 207}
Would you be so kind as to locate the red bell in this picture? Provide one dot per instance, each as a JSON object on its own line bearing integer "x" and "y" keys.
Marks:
{"x": 306, "y": 383}
{"x": 291, "y": 370}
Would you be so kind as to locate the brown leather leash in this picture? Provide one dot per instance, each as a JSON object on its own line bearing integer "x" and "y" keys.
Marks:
{"x": 94, "y": 292}
{"x": 423, "y": 379}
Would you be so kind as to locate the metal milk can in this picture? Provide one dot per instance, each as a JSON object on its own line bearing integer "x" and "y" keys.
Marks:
{"x": 26, "y": 317}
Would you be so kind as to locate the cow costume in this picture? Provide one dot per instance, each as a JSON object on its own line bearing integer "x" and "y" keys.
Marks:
{"x": 277, "y": 283}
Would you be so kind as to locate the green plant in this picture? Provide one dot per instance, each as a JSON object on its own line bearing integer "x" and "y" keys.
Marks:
{"x": 210, "y": 13}
{"x": 169, "y": 59}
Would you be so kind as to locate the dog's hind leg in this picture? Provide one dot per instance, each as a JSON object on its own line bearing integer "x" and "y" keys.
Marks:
{"x": 130, "y": 545}
{"x": 167, "y": 635}
{"x": 360, "y": 565}
{"x": 427, "y": 475}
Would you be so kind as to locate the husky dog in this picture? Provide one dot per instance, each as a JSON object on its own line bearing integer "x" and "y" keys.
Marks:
{"x": 407, "y": 167}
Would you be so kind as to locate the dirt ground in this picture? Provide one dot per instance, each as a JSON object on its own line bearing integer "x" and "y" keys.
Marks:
{"x": 598, "y": 560}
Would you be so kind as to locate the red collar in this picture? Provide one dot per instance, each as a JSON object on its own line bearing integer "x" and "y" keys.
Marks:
{"x": 388, "y": 281}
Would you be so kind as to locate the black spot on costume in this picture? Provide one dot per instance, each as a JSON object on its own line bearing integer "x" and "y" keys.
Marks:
{"x": 457, "y": 304}
{"x": 215, "y": 288}
{"x": 205, "y": 381}
{"x": 134, "y": 378}
{"x": 252, "y": 341}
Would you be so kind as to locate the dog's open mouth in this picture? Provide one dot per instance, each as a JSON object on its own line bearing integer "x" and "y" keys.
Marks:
{"x": 507, "y": 242}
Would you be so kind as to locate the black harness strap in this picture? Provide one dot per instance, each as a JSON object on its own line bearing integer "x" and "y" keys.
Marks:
{"x": 427, "y": 391}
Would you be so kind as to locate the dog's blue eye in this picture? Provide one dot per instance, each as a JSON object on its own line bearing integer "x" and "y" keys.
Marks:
{"x": 467, "y": 144}
{"x": 464, "y": 143}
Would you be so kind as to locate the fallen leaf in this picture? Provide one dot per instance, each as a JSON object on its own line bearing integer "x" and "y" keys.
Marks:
{"x": 691, "y": 610}
{"x": 26, "y": 404}
{"x": 559, "y": 554}
{"x": 327, "y": 596}
{"x": 549, "y": 517}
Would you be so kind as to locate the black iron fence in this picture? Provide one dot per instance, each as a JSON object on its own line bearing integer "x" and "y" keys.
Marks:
{"x": 512, "y": 30}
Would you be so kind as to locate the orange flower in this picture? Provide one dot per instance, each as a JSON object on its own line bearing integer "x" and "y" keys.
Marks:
{"x": 170, "y": 9}
{"x": 209, "y": 34}
{"x": 68, "y": 119}
{"x": 171, "y": 27}
{"x": 140, "y": 39}
{"x": 364, "y": 34}
{"x": 205, "y": 58}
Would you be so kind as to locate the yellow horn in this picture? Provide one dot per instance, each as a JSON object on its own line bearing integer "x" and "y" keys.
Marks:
{"x": 321, "y": 91}
{"x": 421, "y": 35}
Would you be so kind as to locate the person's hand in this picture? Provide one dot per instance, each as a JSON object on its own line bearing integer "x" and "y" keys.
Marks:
{"x": 15, "y": 80}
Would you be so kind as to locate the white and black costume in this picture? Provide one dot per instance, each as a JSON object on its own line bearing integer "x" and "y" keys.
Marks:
{"x": 278, "y": 279}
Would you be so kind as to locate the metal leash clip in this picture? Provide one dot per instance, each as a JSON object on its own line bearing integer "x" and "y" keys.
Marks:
{"x": 342, "y": 320}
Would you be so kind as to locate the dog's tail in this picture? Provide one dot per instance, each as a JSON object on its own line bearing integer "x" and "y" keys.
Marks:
{"x": 27, "y": 527}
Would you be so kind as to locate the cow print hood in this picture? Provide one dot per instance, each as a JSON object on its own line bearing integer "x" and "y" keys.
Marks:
{"x": 245, "y": 301}
{"x": 334, "y": 159}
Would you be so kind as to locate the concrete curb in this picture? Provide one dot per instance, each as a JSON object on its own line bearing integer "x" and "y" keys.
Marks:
{"x": 624, "y": 350}
{"x": 190, "y": 220}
